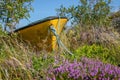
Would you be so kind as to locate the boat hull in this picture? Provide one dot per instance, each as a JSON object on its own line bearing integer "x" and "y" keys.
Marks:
{"x": 40, "y": 35}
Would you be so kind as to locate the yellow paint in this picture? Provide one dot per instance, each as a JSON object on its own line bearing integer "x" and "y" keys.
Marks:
{"x": 40, "y": 36}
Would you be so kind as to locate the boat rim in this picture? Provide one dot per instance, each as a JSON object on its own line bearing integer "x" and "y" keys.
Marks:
{"x": 39, "y": 21}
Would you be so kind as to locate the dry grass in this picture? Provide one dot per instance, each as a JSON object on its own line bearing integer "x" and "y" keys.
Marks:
{"x": 101, "y": 36}
{"x": 15, "y": 59}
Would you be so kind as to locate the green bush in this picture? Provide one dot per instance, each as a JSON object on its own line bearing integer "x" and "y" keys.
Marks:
{"x": 41, "y": 63}
{"x": 107, "y": 55}
{"x": 2, "y": 33}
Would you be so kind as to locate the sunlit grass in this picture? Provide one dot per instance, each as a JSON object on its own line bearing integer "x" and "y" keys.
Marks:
{"x": 15, "y": 59}
{"x": 19, "y": 60}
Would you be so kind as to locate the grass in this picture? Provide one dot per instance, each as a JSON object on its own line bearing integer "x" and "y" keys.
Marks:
{"x": 19, "y": 61}
{"x": 14, "y": 59}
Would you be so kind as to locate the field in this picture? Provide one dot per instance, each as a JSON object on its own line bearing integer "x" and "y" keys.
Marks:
{"x": 92, "y": 40}
{"x": 91, "y": 59}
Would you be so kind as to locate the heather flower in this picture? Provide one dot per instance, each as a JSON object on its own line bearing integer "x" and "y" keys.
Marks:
{"x": 86, "y": 69}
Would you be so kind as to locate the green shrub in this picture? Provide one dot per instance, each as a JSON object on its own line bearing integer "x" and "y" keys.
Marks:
{"x": 107, "y": 55}
{"x": 2, "y": 33}
{"x": 41, "y": 63}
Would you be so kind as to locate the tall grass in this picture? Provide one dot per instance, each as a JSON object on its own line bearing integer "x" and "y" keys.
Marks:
{"x": 90, "y": 43}
{"x": 15, "y": 59}
{"x": 20, "y": 61}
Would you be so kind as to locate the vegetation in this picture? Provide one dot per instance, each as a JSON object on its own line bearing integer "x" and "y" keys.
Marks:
{"x": 116, "y": 20}
{"x": 94, "y": 42}
{"x": 11, "y": 12}
{"x": 88, "y": 12}
{"x": 86, "y": 69}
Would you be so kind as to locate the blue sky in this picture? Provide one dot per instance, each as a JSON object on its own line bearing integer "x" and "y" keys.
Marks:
{"x": 45, "y": 8}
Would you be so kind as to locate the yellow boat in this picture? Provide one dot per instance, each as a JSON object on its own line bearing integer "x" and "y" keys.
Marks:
{"x": 39, "y": 34}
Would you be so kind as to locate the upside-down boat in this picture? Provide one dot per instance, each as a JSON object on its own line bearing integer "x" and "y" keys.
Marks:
{"x": 39, "y": 34}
